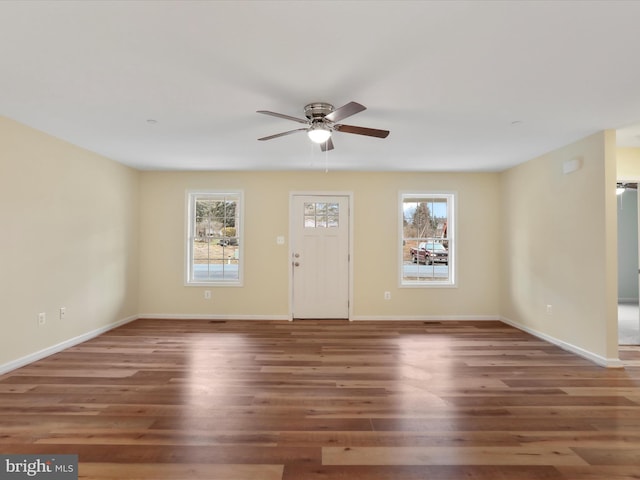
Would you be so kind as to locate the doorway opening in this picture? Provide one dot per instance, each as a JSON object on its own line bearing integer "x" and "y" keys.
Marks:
{"x": 628, "y": 269}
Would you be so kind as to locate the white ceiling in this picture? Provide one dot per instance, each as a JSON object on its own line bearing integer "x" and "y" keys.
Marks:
{"x": 461, "y": 85}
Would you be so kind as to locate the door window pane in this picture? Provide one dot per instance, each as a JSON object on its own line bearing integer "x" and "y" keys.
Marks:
{"x": 321, "y": 215}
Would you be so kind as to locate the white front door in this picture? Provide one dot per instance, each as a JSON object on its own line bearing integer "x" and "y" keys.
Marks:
{"x": 320, "y": 256}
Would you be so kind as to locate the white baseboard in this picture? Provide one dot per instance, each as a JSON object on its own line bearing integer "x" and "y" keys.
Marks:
{"x": 382, "y": 318}
{"x": 593, "y": 357}
{"x": 181, "y": 316}
{"x": 26, "y": 360}
{"x": 424, "y": 318}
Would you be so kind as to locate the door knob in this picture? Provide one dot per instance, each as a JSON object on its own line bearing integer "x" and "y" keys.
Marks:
{"x": 296, "y": 264}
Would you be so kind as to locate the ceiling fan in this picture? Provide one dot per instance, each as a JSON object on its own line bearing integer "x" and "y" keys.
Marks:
{"x": 321, "y": 123}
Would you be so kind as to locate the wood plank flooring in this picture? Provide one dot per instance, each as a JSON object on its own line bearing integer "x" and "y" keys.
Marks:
{"x": 330, "y": 400}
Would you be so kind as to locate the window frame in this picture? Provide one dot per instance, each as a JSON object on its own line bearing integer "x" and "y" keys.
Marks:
{"x": 451, "y": 198}
{"x": 190, "y": 198}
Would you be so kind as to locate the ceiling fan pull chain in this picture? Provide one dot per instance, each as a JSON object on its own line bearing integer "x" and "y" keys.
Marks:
{"x": 326, "y": 161}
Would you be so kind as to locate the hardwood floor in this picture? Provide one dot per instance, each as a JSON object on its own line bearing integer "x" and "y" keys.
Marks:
{"x": 311, "y": 400}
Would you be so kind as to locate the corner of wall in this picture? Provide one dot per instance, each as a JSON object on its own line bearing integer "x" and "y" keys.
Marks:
{"x": 554, "y": 218}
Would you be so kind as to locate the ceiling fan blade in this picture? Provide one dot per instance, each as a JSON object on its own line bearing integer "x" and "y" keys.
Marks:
{"x": 281, "y": 115}
{"x": 283, "y": 134}
{"x": 370, "y": 132}
{"x": 345, "y": 111}
{"x": 328, "y": 145}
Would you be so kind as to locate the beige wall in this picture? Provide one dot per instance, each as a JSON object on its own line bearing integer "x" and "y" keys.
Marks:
{"x": 69, "y": 239}
{"x": 375, "y": 243}
{"x": 628, "y": 163}
{"x": 559, "y": 246}
{"x": 107, "y": 243}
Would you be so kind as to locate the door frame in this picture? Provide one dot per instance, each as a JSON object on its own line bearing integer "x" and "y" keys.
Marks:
{"x": 320, "y": 193}
{"x": 627, "y": 180}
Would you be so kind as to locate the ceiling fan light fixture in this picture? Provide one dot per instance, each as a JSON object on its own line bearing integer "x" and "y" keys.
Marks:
{"x": 319, "y": 133}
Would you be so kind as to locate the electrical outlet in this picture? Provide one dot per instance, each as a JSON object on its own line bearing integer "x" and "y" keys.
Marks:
{"x": 63, "y": 312}
{"x": 549, "y": 309}
{"x": 207, "y": 294}
{"x": 387, "y": 295}
{"x": 42, "y": 318}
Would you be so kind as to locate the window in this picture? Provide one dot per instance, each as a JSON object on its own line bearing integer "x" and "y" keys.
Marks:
{"x": 321, "y": 215}
{"x": 214, "y": 253}
{"x": 427, "y": 253}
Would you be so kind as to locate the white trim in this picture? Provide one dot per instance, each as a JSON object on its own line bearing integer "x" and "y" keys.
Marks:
{"x": 72, "y": 342}
{"x": 186, "y": 316}
{"x": 452, "y": 219}
{"x": 593, "y": 357}
{"x": 190, "y": 206}
{"x": 426, "y": 318}
{"x": 424, "y": 284}
{"x": 26, "y": 360}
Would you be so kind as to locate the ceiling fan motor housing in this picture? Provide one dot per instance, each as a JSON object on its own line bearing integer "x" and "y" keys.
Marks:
{"x": 318, "y": 110}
